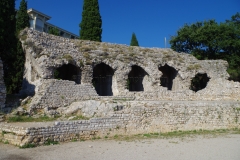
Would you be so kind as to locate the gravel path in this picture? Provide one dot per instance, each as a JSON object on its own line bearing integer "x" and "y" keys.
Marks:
{"x": 198, "y": 148}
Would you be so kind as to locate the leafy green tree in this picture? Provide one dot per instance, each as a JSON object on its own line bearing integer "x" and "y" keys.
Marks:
{"x": 134, "y": 41}
{"x": 91, "y": 24}
{"x": 54, "y": 31}
{"x": 210, "y": 40}
{"x": 22, "y": 20}
{"x": 8, "y": 40}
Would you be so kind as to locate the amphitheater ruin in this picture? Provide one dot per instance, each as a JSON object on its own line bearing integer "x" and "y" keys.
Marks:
{"x": 120, "y": 89}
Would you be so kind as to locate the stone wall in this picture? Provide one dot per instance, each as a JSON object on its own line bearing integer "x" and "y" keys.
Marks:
{"x": 153, "y": 108}
{"x": 134, "y": 117}
{"x": 2, "y": 87}
{"x": 45, "y": 53}
{"x": 54, "y": 94}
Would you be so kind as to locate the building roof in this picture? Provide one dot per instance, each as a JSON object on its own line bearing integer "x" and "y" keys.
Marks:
{"x": 31, "y": 10}
{"x": 60, "y": 29}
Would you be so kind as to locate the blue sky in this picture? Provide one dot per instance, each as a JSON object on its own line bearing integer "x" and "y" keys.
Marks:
{"x": 151, "y": 20}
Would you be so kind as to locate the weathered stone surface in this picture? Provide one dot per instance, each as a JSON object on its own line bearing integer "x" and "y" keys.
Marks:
{"x": 134, "y": 118}
{"x": 45, "y": 53}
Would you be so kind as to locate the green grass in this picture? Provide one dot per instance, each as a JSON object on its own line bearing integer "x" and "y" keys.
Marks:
{"x": 237, "y": 109}
{"x": 28, "y": 145}
{"x": 4, "y": 132}
{"x": 74, "y": 140}
{"x": 31, "y": 119}
{"x": 95, "y": 138}
{"x": 50, "y": 142}
{"x": 80, "y": 117}
{"x": 176, "y": 134}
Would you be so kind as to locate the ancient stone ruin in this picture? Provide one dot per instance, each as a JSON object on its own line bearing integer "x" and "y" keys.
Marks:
{"x": 121, "y": 89}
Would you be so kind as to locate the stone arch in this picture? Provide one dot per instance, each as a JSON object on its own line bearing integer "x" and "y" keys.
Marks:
{"x": 168, "y": 75}
{"x": 199, "y": 82}
{"x": 68, "y": 72}
{"x": 102, "y": 79}
{"x": 135, "y": 78}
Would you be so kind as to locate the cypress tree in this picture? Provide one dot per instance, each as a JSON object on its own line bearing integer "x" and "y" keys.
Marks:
{"x": 91, "y": 24}
{"x": 22, "y": 21}
{"x": 22, "y": 17}
{"x": 8, "y": 39}
{"x": 134, "y": 41}
{"x": 7, "y": 27}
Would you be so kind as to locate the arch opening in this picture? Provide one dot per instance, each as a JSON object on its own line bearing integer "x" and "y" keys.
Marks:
{"x": 135, "y": 79}
{"x": 68, "y": 72}
{"x": 199, "y": 82}
{"x": 102, "y": 79}
{"x": 168, "y": 75}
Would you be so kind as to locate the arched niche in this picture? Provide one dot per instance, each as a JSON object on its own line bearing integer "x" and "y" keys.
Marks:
{"x": 199, "y": 82}
{"x": 135, "y": 79}
{"x": 102, "y": 79}
{"x": 168, "y": 75}
{"x": 68, "y": 72}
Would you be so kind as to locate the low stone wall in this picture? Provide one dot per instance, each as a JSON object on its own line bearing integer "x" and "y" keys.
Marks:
{"x": 134, "y": 117}
{"x": 53, "y": 94}
{"x": 2, "y": 87}
{"x": 60, "y": 93}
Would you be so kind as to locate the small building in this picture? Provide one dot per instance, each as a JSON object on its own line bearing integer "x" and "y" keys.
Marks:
{"x": 38, "y": 21}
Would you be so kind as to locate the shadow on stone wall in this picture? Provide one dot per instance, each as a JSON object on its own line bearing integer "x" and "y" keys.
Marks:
{"x": 135, "y": 78}
{"x": 102, "y": 79}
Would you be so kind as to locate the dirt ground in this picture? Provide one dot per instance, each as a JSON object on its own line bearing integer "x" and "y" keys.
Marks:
{"x": 225, "y": 147}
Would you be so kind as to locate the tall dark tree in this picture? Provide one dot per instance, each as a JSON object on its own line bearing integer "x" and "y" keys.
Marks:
{"x": 8, "y": 39}
{"x": 7, "y": 27}
{"x": 22, "y": 20}
{"x": 91, "y": 24}
{"x": 134, "y": 41}
{"x": 212, "y": 40}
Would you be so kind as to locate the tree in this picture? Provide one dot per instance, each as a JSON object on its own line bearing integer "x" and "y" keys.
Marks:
{"x": 7, "y": 27}
{"x": 134, "y": 41}
{"x": 54, "y": 31}
{"x": 91, "y": 24}
{"x": 18, "y": 57}
{"x": 212, "y": 40}
{"x": 22, "y": 20}
{"x": 8, "y": 39}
